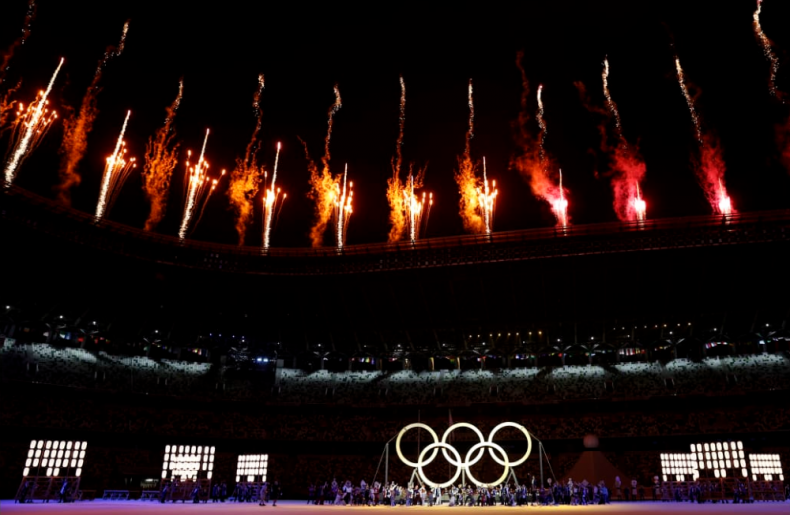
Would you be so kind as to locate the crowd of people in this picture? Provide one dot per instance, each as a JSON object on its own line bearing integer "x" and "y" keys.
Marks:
{"x": 80, "y": 368}
{"x": 416, "y": 494}
{"x": 105, "y": 415}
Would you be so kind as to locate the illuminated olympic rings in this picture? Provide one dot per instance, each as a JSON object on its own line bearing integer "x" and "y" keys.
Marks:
{"x": 454, "y": 458}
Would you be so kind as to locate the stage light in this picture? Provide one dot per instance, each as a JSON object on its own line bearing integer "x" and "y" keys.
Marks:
{"x": 184, "y": 461}
{"x": 251, "y": 465}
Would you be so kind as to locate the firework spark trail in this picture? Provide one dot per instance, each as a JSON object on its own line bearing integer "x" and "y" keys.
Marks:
{"x": 542, "y": 124}
{"x": 467, "y": 180}
{"x": 343, "y": 210}
{"x": 161, "y": 158}
{"x": 610, "y": 104}
{"x": 528, "y": 160}
{"x": 395, "y": 187}
{"x": 767, "y": 49}
{"x": 247, "y": 176}
{"x": 116, "y": 171}
{"x": 627, "y": 166}
{"x": 6, "y": 104}
{"x": 710, "y": 167}
{"x": 272, "y": 202}
{"x": 29, "y": 128}
{"x": 487, "y": 195}
{"x": 77, "y": 126}
{"x": 30, "y": 15}
{"x": 324, "y": 188}
{"x": 689, "y": 101}
{"x": 198, "y": 188}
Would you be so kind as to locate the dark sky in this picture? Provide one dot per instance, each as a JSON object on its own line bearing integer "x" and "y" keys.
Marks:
{"x": 304, "y": 51}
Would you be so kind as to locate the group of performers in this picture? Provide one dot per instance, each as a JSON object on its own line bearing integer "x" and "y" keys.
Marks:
{"x": 244, "y": 492}
{"x": 392, "y": 494}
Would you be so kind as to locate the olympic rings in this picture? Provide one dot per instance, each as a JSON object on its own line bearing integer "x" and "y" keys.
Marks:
{"x": 435, "y": 440}
{"x": 453, "y": 428}
{"x": 494, "y": 450}
{"x": 491, "y": 446}
{"x": 520, "y": 428}
{"x": 443, "y": 446}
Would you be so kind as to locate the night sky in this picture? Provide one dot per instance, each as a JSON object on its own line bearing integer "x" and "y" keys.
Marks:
{"x": 303, "y": 51}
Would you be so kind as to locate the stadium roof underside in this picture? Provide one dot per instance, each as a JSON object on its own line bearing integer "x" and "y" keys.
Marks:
{"x": 704, "y": 278}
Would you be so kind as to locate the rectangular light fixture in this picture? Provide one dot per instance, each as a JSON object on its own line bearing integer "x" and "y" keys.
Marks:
{"x": 187, "y": 461}
{"x": 55, "y": 458}
{"x": 252, "y": 467}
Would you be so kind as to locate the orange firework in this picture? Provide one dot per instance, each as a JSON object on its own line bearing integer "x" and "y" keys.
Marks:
{"x": 6, "y": 107}
{"x": 406, "y": 209}
{"x": 30, "y": 126}
{"x": 474, "y": 209}
{"x": 710, "y": 166}
{"x": 324, "y": 187}
{"x": 77, "y": 127}
{"x": 343, "y": 210}
{"x": 5, "y": 60}
{"x": 198, "y": 188}
{"x": 532, "y": 161}
{"x": 161, "y": 158}
{"x": 272, "y": 203}
{"x": 6, "y": 104}
{"x": 116, "y": 171}
{"x": 247, "y": 176}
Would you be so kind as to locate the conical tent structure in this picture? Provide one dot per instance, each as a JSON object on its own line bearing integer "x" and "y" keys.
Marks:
{"x": 594, "y": 467}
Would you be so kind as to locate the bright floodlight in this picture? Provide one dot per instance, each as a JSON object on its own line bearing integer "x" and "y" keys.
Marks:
{"x": 186, "y": 462}
{"x": 252, "y": 467}
{"x": 54, "y": 458}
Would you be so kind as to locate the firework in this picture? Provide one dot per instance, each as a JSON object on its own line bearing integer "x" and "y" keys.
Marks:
{"x": 116, "y": 171}
{"x": 6, "y": 104}
{"x": 272, "y": 203}
{"x": 532, "y": 161}
{"x": 30, "y": 15}
{"x": 247, "y": 176}
{"x": 710, "y": 167}
{"x": 689, "y": 101}
{"x": 474, "y": 209}
{"x": 640, "y": 206}
{"x": 343, "y": 210}
{"x": 324, "y": 187}
{"x": 560, "y": 205}
{"x": 542, "y": 125}
{"x": 161, "y": 158}
{"x": 30, "y": 126}
{"x": 199, "y": 188}
{"x": 77, "y": 127}
{"x": 406, "y": 209}
{"x": 627, "y": 166}
{"x": 487, "y": 194}
{"x": 767, "y": 49}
